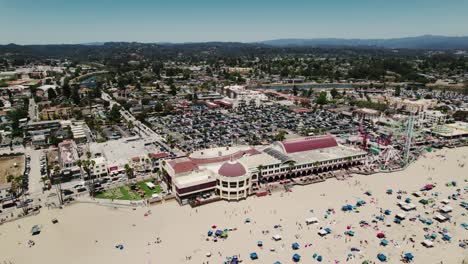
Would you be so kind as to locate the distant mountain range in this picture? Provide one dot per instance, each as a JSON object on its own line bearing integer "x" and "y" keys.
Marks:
{"x": 419, "y": 42}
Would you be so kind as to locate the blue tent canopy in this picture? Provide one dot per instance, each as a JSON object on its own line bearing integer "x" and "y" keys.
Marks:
{"x": 388, "y": 212}
{"x": 218, "y": 232}
{"x": 383, "y": 242}
{"x": 210, "y": 233}
{"x": 253, "y": 256}
{"x": 447, "y": 237}
{"x": 295, "y": 245}
{"x": 389, "y": 191}
{"x": 381, "y": 257}
{"x": 319, "y": 258}
{"x": 408, "y": 256}
{"x": 277, "y": 262}
{"x": 328, "y": 230}
{"x": 296, "y": 257}
{"x": 259, "y": 243}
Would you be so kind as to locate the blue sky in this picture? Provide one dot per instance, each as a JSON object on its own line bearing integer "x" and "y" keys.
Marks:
{"x": 79, "y": 21}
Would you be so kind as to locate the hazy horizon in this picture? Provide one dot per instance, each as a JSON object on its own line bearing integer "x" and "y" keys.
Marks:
{"x": 181, "y": 21}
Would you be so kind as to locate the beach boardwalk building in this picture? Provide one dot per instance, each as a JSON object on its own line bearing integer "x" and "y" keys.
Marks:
{"x": 234, "y": 173}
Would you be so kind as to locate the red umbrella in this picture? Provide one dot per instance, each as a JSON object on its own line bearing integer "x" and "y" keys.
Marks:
{"x": 380, "y": 235}
{"x": 213, "y": 226}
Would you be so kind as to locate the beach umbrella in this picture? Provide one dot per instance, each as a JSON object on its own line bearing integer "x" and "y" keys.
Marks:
{"x": 314, "y": 255}
{"x": 408, "y": 256}
{"x": 213, "y": 226}
{"x": 388, "y": 212}
{"x": 408, "y": 200}
{"x": 384, "y": 242}
{"x": 247, "y": 220}
{"x": 381, "y": 257}
{"x": 260, "y": 243}
{"x": 295, "y": 245}
{"x": 277, "y": 262}
{"x": 210, "y": 233}
{"x": 319, "y": 258}
{"x": 389, "y": 191}
{"x": 296, "y": 257}
{"x": 447, "y": 237}
{"x": 365, "y": 262}
{"x": 253, "y": 256}
{"x": 380, "y": 235}
{"x": 328, "y": 230}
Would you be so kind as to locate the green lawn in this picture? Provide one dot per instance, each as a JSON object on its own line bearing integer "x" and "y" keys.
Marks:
{"x": 125, "y": 193}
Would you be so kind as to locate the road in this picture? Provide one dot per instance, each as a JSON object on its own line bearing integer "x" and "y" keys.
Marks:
{"x": 139, "y": 128}
{"x": 33, "y": 110}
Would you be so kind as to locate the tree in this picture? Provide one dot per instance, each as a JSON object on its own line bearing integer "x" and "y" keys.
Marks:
{"x": 334, "y": 93}
{"x": 87, "y": 165}
{"x": 129, "y": 171}
{"x": 173, "y": 91}
{"x": 397, "y": 91}
{"x": 322, "y": 98}
{"x": 260, "y": 172}
{"x": 51, "y": 94}
{"x": 114, "y": 114}
{"x": 281, "y": 135}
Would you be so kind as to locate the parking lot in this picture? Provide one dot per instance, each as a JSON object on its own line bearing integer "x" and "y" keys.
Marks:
{"x": 245, "y": 125}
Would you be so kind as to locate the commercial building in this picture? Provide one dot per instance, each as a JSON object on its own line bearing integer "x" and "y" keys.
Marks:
{"x": 68, "y": 156}
{"x": 234, "y": 173}
{"x": 431, "y": 118}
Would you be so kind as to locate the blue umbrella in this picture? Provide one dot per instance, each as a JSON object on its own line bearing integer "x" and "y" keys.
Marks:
{"x": 319, "y": 258}
{"x": 296, "y": 257}
{"x": 295, "y": 246}
{"x": 408, "y": 256}
{"x": 384, "y": 242}
{"x": 388, "y": 212}
{"x": 259, "y": 243}
{"x": 382, "y": 257}
{"x": 253, "y": 256}
{"x": 210, "y": 233}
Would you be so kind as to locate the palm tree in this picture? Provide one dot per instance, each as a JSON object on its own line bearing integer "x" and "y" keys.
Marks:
{"x": 129, "y": 171}
{"x": 58, "y": 183}
{"x": 260, "y": 176}
{"x": 87, "y": 166}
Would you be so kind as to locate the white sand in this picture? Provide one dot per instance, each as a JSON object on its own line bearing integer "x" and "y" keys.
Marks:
{"x": 183, "y": 229}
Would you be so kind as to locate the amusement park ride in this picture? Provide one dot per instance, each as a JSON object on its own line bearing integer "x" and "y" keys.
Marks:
{"x": 382, "y": 150}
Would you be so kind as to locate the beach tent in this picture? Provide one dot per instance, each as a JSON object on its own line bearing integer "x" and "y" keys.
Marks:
{"x": 389, "y": 191}
{"x": 314, "y": 255}
{"x": 311, "y": 220}
{"x": 296, "y": 257}
{"x": 446, "y": 237}
{"x": 224, "y": 234}
{"x": 328, "y": 230}
{"x": 260, "y": 243}
{"x": 35, "y": 230}
{"x": 322, "y": 232}
{"x": 446, "y": 209}
{"x": 277, "y": 237}
{"x": 295, "y": 246}
{"x": 381, "y": 257}
{"x": 319, "y": 258}
{"x": 247, "y": 220}
{"x": 424, "y": 201}
{"x": 388, "y": 212}
{"x": 277, "y": 262}
{"x": 440, "y": 218}
{"x": 397, "y": 221}
{"x": 401, "y": 216}
{"x": 360, "y": 203}
{"x": 218, "y": 232}
{"x": 408, "y": 256}
{"x": 408, "y": 200}
{"x": 349, "y": 233}
{"x": 253, "y": 256}
{"x": 428, "y": 243}
{"x": 383, "y": 242}
{"x": 210, "y": 233}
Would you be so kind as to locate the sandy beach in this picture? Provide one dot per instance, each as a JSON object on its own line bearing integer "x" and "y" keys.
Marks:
{"x": 87, "y": 233}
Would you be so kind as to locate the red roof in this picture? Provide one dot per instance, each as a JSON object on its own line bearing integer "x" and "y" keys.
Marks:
{"x": 307, "y": 144}
{"x": 183, "y": 166}
{"x": 159, "y": 155}
{"x": 232, "y": 169}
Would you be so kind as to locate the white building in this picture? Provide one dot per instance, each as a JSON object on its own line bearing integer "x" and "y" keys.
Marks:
{"x": 234, "y": 173}
{"x": 431, "y": 118}
{"x": 100, "y": 167}
{"x": 239, "y": 92}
